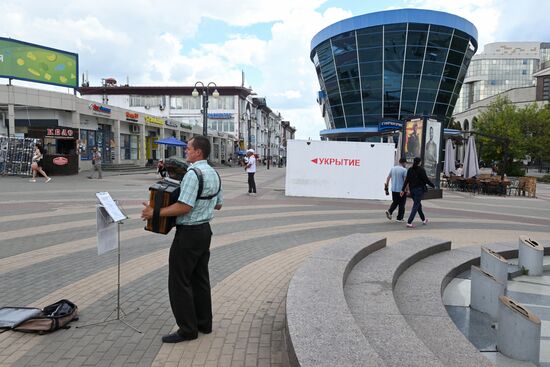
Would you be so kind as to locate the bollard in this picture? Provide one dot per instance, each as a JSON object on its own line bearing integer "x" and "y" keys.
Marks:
{"x": 494, "y": 264}
{"x": 530, "y": 256}
{"x": 518, "y": 333}
{"x": 484, "y": 292}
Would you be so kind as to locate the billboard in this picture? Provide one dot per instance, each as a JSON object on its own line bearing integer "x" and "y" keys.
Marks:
{"x": 338, "y": 169}
{"x": 413, "y": 139}
{"x": 431, "y": 148}
{"x": 26, "y": 61}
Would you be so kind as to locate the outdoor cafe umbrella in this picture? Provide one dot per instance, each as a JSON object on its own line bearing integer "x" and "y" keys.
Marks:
{"x": 398, "y": 150}
{"x": 471, "y": 166}
{"x": 171, "y": 141}
{"x": 450, "y": 157}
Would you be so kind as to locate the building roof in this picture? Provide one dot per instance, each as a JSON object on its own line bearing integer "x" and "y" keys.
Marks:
{"x": 392, "y": 17}
{"x": 160, "y": 90}
{"x": 543, "y": 72}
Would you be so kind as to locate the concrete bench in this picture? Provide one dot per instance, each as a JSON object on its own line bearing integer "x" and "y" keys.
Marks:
{"x": 370, "y": 297}
{"x": 320, "y": 329}
{"x": 359, "y": 303}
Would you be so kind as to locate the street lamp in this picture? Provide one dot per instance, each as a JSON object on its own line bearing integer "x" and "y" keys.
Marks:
{"x": 205, "y": 91}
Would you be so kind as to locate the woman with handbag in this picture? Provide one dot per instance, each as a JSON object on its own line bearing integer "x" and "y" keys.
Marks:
{"x": 37, "y": 164}
{"x": 416, "y": 179}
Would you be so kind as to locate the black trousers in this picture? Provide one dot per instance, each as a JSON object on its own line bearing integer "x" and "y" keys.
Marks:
{"x": 188, "y": 279}
{"x": 398, "y": 201}
{"x": 251, "y": 183}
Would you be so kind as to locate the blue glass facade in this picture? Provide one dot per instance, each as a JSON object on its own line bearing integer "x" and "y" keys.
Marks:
{"x": 390, "y": 66}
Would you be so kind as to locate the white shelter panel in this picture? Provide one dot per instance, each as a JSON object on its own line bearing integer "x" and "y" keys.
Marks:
{"x": 336, "y": 169}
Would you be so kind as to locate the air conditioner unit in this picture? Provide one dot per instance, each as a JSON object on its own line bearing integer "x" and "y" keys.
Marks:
{"x": 134, "y": 129}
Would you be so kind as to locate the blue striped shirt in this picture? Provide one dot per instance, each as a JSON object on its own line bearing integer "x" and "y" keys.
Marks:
{"x": 202, "y": 211}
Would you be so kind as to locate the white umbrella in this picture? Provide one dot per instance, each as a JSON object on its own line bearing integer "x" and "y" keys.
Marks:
{"x": 471, "y": 166}
{"x": 450, "y": 157}
{"x": 398, "y": 150}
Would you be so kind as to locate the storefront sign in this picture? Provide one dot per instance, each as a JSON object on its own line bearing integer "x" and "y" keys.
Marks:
{"x": 132, "y": 116}
{"x": 390, "y": 125}
{"x": 99, "y": 108}
{"x": 154, "y": 120}
{"x": 220, "y": 116}
{"x": 60, "y": 133}
{"x": 171, "y": 123}
{"x": 60, "y": 161}
{"x": 185, "y": 126}
{"x": 27, "y": 61}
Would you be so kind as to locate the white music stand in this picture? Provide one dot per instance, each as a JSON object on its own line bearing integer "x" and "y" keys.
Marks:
{"x": 108, "y": 214}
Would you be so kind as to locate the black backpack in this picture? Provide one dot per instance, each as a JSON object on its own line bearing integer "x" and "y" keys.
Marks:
{"x": 53, "y": 317}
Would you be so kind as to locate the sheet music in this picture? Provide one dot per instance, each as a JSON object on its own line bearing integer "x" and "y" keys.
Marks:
{"x": 107, "y": 232}
{"x": 110, "y": 206}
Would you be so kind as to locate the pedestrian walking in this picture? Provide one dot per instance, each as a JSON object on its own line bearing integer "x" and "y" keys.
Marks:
{"x": 96, "y": 162}
{"x": 416, "y": 180}
{"x": 36, "y": 165}
{"x": 397, "y": 175}
{"x": 250, "y": 168}
{"x": 188, "y": 276}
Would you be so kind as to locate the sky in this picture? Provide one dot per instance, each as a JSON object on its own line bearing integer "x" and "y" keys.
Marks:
{"x": 180, "y": 42}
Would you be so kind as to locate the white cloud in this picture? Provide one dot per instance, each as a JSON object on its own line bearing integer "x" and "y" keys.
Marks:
{"x": 484, "y": 14}
{"x": 290, "y": 94}
{"x": 146, "y": 39}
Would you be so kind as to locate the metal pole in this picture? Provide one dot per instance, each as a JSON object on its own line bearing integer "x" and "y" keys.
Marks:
{"x": 249, "y": 123}
{"x": 205, "y": 112}
{"x": 118, "y": 276}
{"x": 268, "y": 145}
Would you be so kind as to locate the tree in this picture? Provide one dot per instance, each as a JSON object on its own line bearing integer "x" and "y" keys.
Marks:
{"x": 536, "y": 128}
{"x": 453, "y": 124}
{"x": 500, "y": 128}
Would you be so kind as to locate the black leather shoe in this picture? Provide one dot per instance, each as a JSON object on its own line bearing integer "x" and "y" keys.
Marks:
{"x": 177, "y": 338}
{"x": 205, "y": 330}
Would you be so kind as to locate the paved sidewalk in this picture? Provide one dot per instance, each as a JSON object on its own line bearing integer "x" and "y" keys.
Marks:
{"x": 48, "y": 252}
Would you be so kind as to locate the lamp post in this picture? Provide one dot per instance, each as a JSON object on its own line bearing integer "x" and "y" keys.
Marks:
{"x": 205, "y": 91}
{"x": 269, "y": 124}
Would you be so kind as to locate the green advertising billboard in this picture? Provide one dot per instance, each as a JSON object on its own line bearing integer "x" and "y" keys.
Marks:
{"x": 26, "y": 61}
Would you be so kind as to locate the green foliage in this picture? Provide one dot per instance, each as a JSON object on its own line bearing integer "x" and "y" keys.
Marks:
{"x": 527, "y": 130}
{"x": 453, "y": 124}
{"x": 545, "y": 178}
{"x": 515, "y": 169}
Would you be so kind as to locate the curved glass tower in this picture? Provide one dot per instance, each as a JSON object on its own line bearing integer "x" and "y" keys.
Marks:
{"x": 390, "y": 66}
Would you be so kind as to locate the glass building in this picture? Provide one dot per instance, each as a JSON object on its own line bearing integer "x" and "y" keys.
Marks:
{"x": 500, "y": 67}
{"x": 390, "y": 66}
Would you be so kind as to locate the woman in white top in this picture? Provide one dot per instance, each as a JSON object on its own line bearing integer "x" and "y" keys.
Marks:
{"x": 37, "y": 164}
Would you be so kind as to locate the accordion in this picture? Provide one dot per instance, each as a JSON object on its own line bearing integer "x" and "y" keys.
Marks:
{"x": 162, "y": 194}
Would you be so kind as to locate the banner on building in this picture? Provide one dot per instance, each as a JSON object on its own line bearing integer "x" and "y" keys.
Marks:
{"x": 35, "y": 63}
